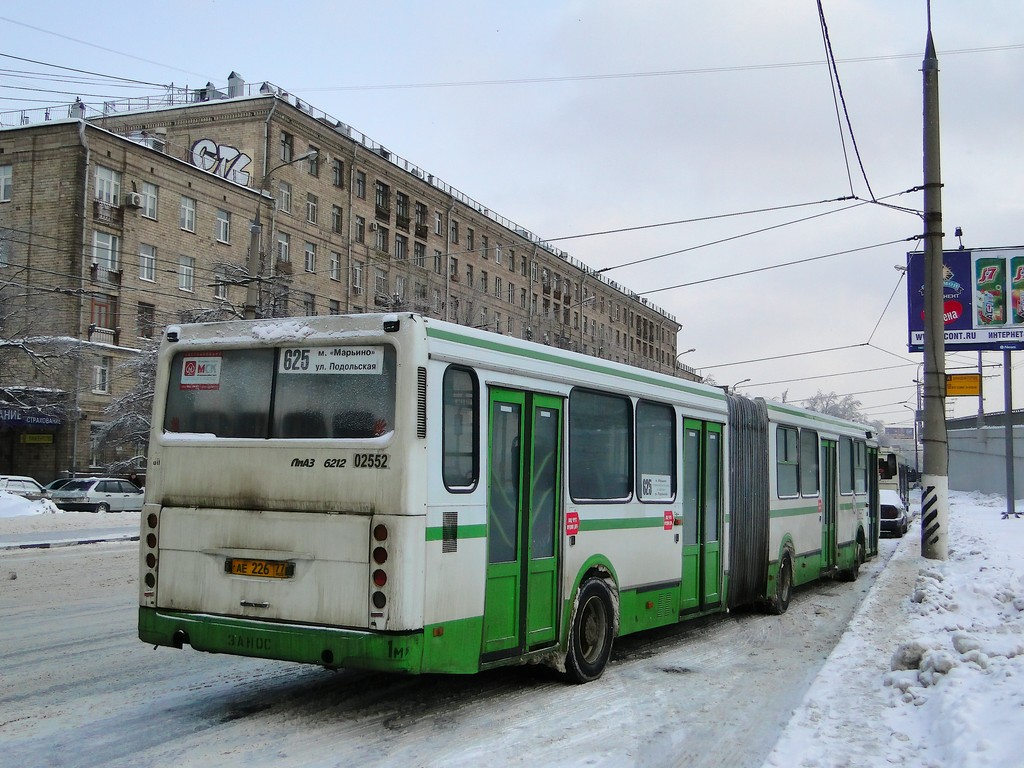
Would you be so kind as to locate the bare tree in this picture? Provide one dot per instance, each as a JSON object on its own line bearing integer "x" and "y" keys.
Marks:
{"x": 841, "y": 406}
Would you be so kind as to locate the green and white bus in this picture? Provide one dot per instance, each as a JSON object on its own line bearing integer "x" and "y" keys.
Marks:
{"x": 392, "y": 492}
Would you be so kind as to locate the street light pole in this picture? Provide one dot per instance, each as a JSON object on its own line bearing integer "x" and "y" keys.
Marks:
{"x": 255, "y": 231}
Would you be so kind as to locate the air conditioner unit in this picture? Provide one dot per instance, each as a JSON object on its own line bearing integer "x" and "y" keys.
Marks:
{"x": 132, "y": 200}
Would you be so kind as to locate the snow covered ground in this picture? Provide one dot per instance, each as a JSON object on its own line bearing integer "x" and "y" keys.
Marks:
{"x": 930, "y": 671}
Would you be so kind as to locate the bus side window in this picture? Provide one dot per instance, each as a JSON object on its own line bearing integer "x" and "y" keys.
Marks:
{"x": 460, "y": 430}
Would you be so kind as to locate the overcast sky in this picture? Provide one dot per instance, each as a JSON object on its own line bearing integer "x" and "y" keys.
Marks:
{"x": 578, "y": 117}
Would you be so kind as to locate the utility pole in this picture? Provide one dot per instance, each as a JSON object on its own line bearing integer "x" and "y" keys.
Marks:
{"x": 935, "y": 477}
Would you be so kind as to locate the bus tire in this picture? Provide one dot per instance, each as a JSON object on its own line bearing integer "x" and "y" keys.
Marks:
{"x": 783, "y": 587}
{"x": 590, "y": 635}
{"x": 851, "y": 573}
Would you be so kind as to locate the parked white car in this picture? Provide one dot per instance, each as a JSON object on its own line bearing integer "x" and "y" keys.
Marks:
{"x": 98, "y": 494}
{"x": 23, "y": 486}
{"x": 895, "y": 518}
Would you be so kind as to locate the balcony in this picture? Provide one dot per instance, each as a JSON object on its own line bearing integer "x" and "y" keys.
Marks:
{"x": 421, "y": 231}
{"x": 284, "y": 267}
{"x": 381, "y": 213}
{"x": 402, "y": 222}
{"x": 107, "y": 213}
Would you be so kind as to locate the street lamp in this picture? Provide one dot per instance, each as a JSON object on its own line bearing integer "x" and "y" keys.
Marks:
{"x": 692, "y": 349}
{"x": 733, "y": 387}
{"x": 252, "y": 287}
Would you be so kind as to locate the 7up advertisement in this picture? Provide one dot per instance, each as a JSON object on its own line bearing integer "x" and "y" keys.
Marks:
{"x": 982, "y": 299}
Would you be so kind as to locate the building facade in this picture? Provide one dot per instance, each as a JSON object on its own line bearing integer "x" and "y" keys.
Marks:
{"x": 113, "y": 226}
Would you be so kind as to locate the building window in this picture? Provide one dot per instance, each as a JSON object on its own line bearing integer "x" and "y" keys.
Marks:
{"x": 333, "y": 307}
{"x": 313, "y": 161}
{"x": 336, "y": 219}
{"x": 382, "y": 239}
{"x": 222, "y": 228}
{"x": 150, "y": 194}
{"x": 335, "y": 266}
{"x": 497, "y": 287}
{"x": 400, "y": 288}
{"x": 402, "y": 206}
{"x": 419, "y": 253}
{"x": 438, "y": 223}
{"x": 147, "y": 320}
{"x": 401, "y": 247}
{"x": 361, "y": 185}
{"x": 437, "y": 262}
{"x": 338, "y": 173}
{"x": 103, "y": 312}
{"x": 284, "y": 247}
{"x": 284, "y": 197}
{"x": 485, "y": 246}
{"x": 287, "y": 146}
{"x": 380, "y": 281}
{"x": 483, "y": 281}
{"x": 187, "y": 214}
{"x": 383, "y": 198}
{"x": 470, "y": 237}
{"x": 312, "y": 202}
{"x": 186, "y": 273}
{"x": 309, "y": 305}
{"x": 421, "y": 215}
{"x": 106, "y": 251}
{"x": 101, "y": 376}
{"x": 108, "y": 185}
{"x": 6, "y": 182}
{"x": 360, "y": 229}
{"x": 357, "y": 277}
{"x": 469, "y": 274}
{"x": 147, "y": 262}
{"x": 220, "y": 285}
{"x": 311, "y": 257}
{"x": 511, "y": 293}
{"x": 455, "y": 231}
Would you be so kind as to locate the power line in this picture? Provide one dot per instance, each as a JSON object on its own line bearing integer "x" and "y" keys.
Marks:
{"x": 657, "y": 73}
{"x": 770, "y": 267}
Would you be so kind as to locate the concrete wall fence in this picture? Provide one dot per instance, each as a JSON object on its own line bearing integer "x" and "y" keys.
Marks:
{"x": 977, "y": 460}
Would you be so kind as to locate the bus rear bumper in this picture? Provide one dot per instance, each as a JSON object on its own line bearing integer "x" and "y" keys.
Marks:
{"x": 324, "y": 646}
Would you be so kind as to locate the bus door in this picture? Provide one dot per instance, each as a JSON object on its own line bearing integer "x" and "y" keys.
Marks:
{"x": 523, "y": 489}
{"x": 702, "y": 516}
{"x": 829, "y": 499}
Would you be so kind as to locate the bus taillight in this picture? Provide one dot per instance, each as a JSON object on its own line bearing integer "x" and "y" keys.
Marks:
{"x": 380, "y": 532}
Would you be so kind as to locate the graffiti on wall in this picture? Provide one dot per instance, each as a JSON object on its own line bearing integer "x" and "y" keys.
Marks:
{"x": 221, "y": 159}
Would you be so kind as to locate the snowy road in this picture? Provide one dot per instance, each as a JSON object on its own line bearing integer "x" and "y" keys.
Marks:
{"x": 77, "y": 688}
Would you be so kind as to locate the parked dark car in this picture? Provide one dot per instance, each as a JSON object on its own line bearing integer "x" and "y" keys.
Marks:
{"x": 895, "y": 518}
{"x": 98, "y": 494}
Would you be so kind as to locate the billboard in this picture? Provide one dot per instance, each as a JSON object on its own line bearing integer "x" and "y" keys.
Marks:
{"x": 982, "y": 299}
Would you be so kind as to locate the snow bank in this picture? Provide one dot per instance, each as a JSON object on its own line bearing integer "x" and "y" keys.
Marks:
{"x": 18, "y": 506}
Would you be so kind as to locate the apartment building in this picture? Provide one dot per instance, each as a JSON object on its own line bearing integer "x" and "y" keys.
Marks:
{"x": 112, "y": 226}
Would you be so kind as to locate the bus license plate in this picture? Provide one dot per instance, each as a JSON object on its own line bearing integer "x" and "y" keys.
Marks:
{"x": 269, "y": 569}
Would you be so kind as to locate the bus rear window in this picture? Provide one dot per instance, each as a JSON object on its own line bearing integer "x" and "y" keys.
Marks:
{"x": 289, "y": 393}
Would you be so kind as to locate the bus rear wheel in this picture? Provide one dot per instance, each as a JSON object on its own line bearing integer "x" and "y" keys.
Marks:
{"x": 590, "y": 636}
{"x": 783, "y": 587}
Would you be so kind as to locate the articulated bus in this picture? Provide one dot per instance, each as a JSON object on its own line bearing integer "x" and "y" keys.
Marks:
{"x": 392, "y": 492}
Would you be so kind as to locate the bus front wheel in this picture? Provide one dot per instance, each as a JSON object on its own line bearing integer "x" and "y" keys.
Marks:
{"x": 590, "y": 636}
